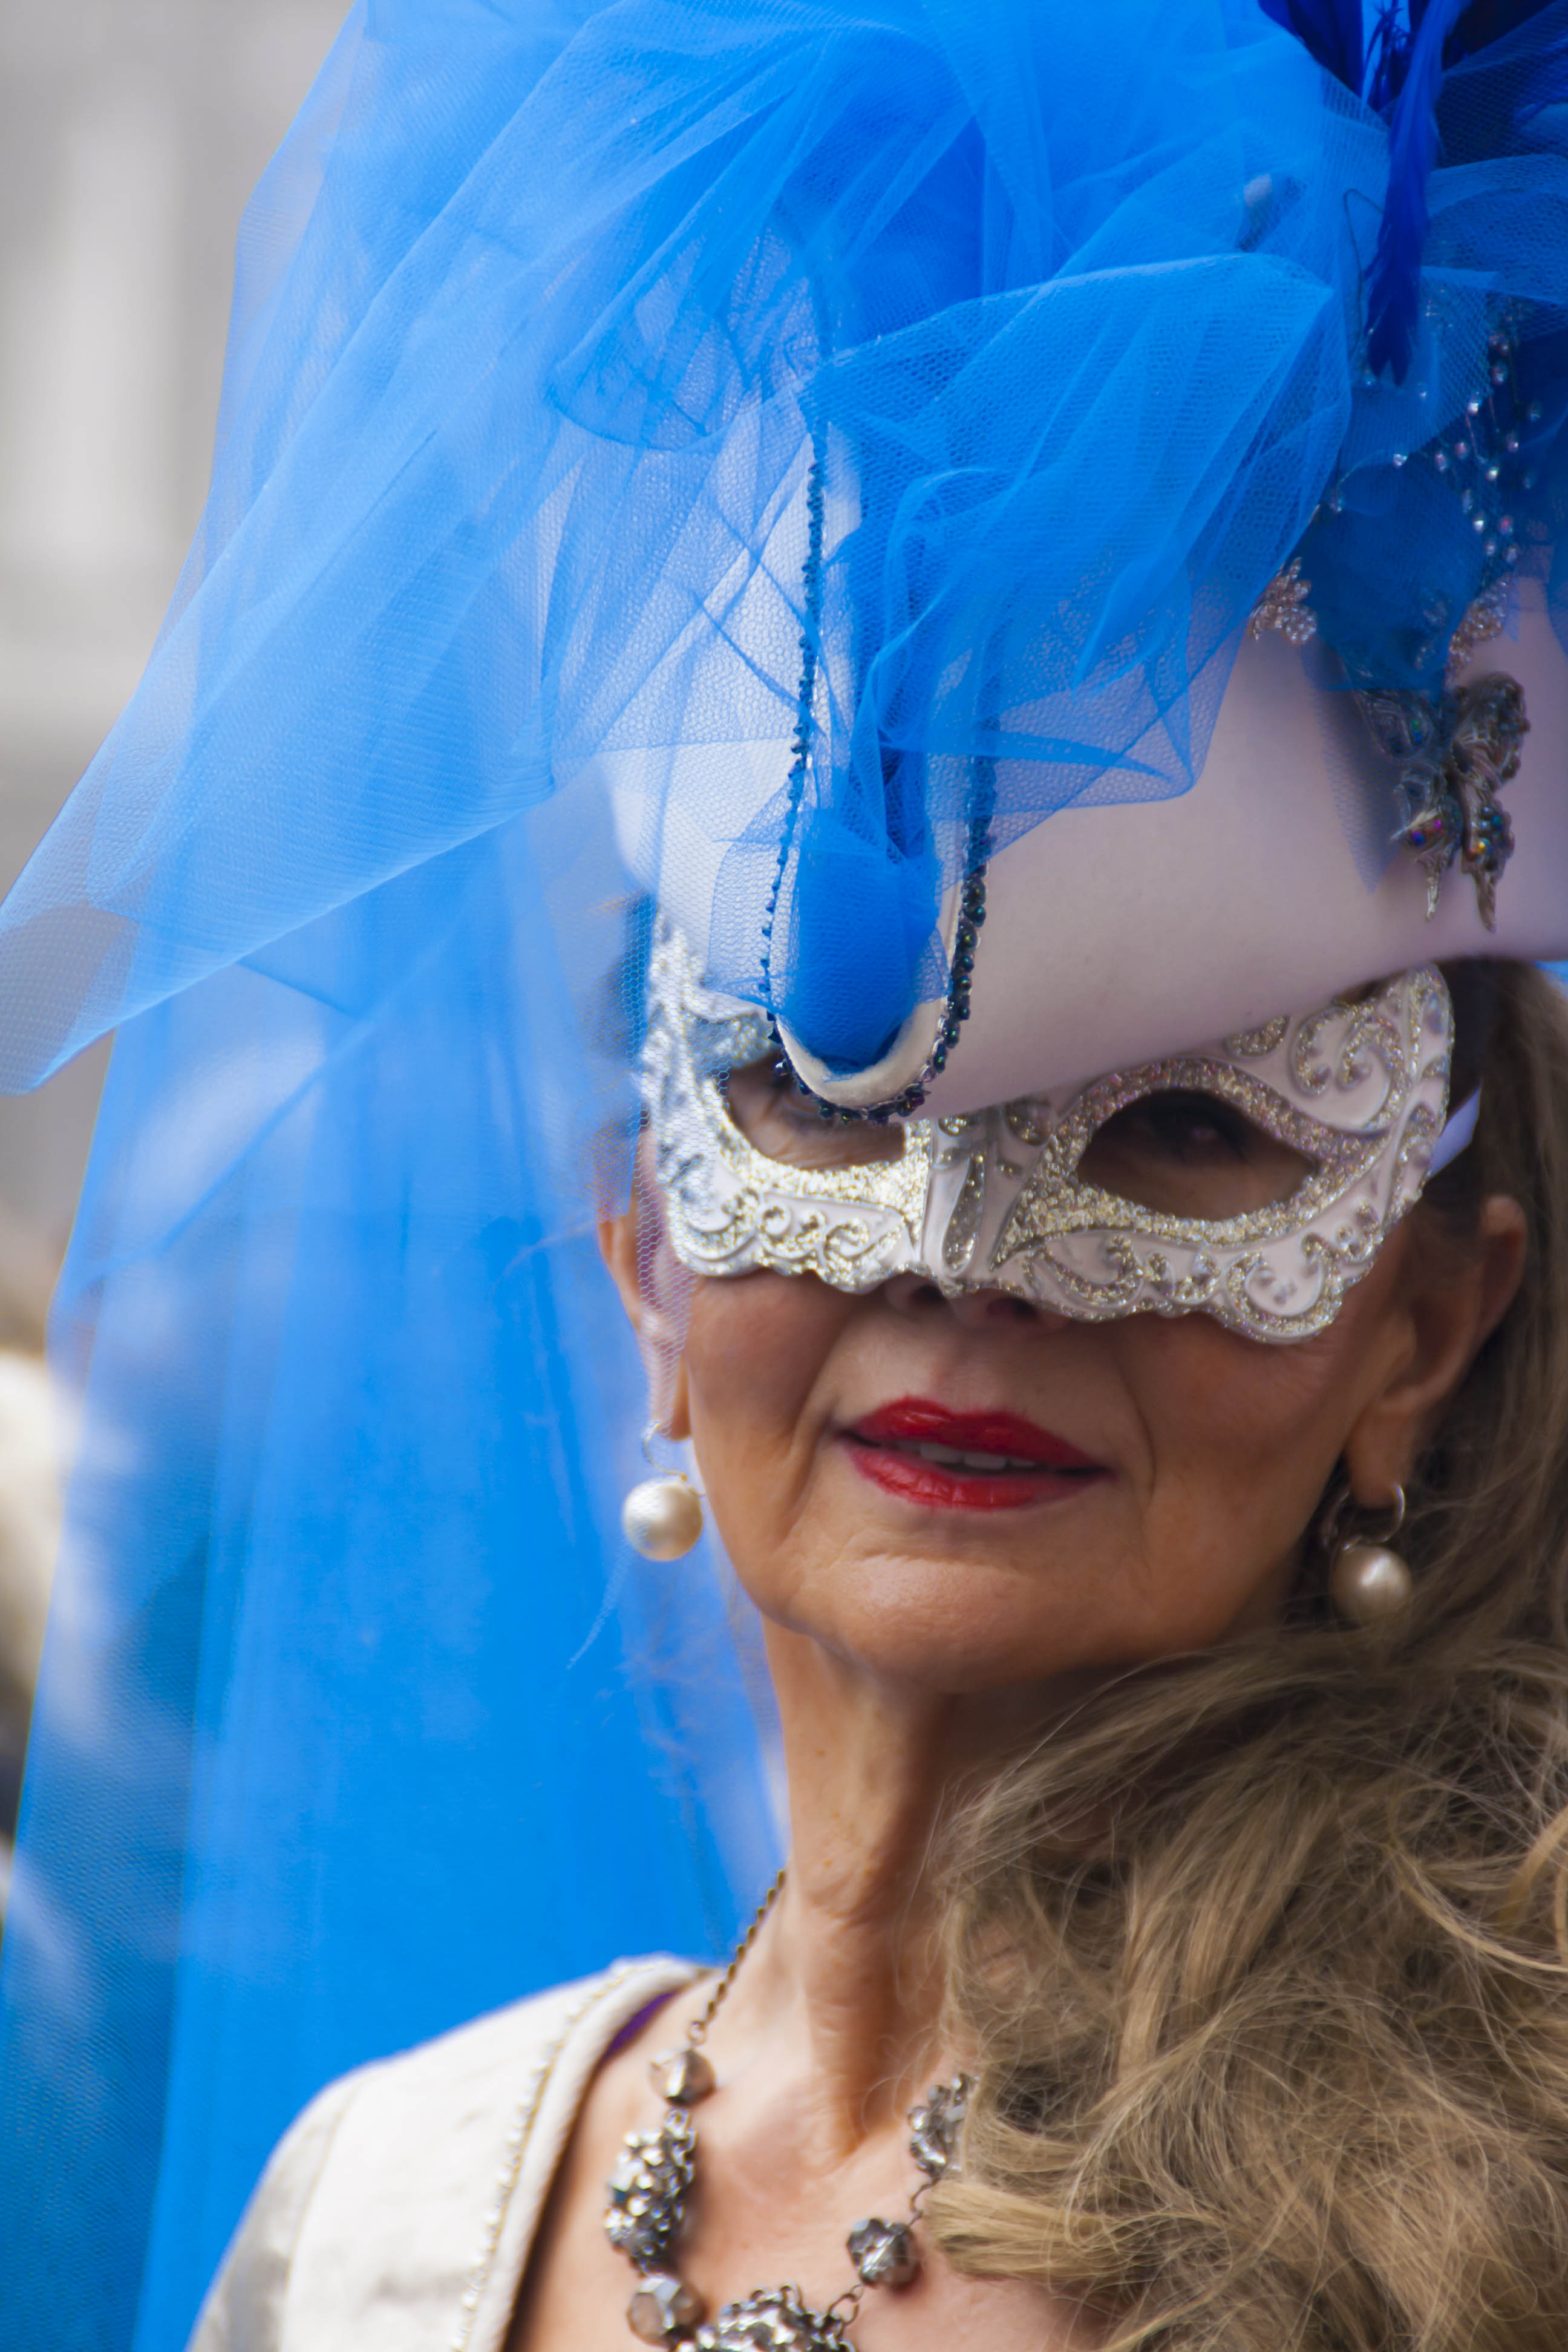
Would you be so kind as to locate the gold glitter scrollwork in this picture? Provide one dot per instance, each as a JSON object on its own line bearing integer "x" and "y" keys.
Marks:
{"x": 1255, "y": 1045}
{"x": 1367, "y": 1029}
{"x": 963, "y": 1224}
{"x": 845, "y": 1251}
{"x": 709, "y": 1247}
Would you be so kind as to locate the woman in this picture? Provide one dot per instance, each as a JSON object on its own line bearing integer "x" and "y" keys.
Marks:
{"x": 1131, "y": 1468}
{"x": 933, "y": 1607}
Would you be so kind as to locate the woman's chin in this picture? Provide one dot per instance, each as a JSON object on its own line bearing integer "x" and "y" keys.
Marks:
{"x": 960, "y": 1620}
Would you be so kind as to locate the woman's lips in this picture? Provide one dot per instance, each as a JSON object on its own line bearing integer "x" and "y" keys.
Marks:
{"x": 947, "y": 1461}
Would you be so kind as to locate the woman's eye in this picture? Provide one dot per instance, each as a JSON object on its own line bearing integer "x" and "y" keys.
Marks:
{"x": 1191, "y": 1126}
{"x": 1189, "y": 1154}
{"x": 769, "y": 1097}
{"x": 790, "y": 1097}
{"x": 775, "y": 1113}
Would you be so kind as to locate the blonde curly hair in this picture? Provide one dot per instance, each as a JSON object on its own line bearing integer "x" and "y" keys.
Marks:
{"x": 1275, "y": 2060}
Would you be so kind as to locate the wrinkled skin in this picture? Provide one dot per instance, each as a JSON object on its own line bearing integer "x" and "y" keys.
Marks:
{"x": 1215, "y": 1449}
{"x": 909, "y": 1645}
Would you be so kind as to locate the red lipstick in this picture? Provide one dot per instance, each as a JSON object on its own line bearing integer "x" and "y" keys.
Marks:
{"x": 946, "y": 1461}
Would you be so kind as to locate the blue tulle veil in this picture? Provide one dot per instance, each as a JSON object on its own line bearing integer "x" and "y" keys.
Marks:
{"x": 357, "y": 1716}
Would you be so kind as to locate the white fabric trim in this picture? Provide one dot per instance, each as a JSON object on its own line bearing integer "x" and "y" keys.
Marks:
{"x": 398, "y": 2213}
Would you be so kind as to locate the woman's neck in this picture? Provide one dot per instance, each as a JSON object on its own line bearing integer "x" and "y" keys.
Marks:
{"x": 848, "y": 1966}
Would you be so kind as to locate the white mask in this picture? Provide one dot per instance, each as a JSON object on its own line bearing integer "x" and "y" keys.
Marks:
{"x": 998, "y": 1199}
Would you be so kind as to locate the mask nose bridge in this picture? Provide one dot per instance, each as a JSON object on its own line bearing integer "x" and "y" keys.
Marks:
{"x": 979, "y": 1164}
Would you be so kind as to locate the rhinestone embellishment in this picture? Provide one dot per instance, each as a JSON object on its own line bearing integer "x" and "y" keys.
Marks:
{"x": 683, "y": 2077}
{"x": 1283, "y": 605}
{"x": 664, "y": 2308}
{"x": 935, "y": 2125}
{"x": 773, "y": 2319}
{"x": 1458, "y": 751}
{"x": 647, "y": 2191}
{"x": 884, "y": 2253}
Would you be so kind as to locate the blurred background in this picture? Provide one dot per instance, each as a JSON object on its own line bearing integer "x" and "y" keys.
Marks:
{"x": 132, "y": 133}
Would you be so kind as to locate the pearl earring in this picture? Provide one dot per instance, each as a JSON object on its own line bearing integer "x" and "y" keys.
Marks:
{"x": 662, "y": 1517}
{"x": 1369, "y": 1583}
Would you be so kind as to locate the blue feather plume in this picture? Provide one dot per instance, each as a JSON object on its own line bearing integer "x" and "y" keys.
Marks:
{"x": 1398, "y": 68}
{"x": 1393, "y": 286}
{"x": 1387, "y": 54}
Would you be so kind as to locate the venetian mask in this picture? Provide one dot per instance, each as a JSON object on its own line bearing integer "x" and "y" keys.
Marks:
{"x": 1253, "y": 1180}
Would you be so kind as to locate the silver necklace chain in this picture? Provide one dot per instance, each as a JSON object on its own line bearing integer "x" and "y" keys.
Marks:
{"x": 648, "y": 2195}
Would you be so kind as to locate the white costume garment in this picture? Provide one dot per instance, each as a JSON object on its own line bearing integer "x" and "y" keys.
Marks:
{"x": 398, "y": 2213}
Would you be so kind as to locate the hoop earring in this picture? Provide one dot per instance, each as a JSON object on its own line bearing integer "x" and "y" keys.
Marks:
{"x": 662, "y": 1517}
{"x": 1370, "y": 1583}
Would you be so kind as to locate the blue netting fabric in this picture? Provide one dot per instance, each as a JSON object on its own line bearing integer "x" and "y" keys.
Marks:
{"x": 357, "y": 1718}
{"x": 549, "y": 317}
{"x": 543, "y": 310}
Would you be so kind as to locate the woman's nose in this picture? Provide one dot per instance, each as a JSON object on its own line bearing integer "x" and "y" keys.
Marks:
{"x": 916, "y": 1294}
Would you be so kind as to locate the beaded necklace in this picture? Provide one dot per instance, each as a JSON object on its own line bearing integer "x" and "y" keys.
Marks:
{"x": 649, "y": 2195}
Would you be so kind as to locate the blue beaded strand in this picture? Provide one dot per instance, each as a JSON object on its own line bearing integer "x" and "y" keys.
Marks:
{"x": 972, "y": 902}
{"x": 804, "y": 705}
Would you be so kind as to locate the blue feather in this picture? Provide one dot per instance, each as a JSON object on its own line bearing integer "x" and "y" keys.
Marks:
{"x": 1398, "y": 69}
{"x": 1387, "y": 53}
{"x": 1393, "y": 286}
{"x": 1329, "y": 30}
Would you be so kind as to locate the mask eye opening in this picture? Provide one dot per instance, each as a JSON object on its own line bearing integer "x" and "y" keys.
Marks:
{"x": 765, "y": 1104}
{"x": 1186, "y": 1147}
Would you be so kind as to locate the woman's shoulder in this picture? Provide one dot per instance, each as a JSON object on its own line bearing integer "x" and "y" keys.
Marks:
{"x": 397, "y": 2210}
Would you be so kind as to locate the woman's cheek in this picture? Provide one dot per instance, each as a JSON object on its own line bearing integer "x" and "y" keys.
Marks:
{"x": 755, "y": 1350}
{"x": 1245, "y": 1437}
